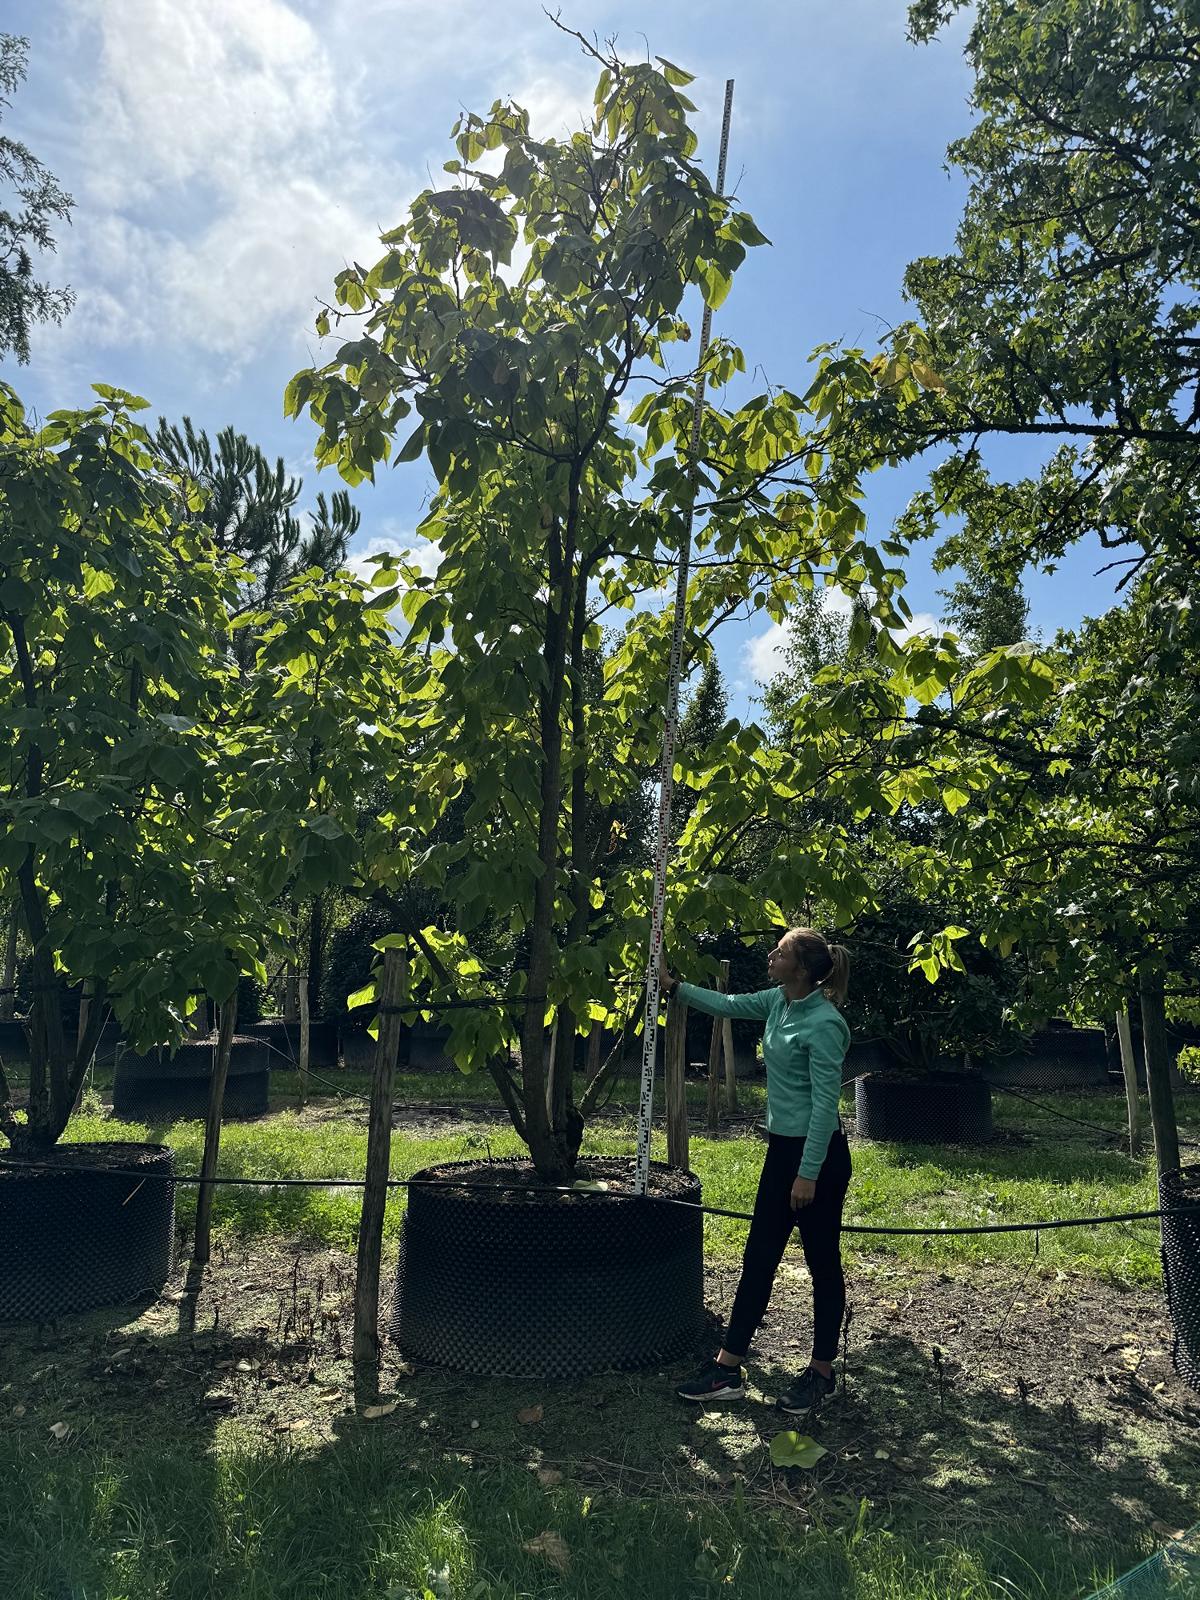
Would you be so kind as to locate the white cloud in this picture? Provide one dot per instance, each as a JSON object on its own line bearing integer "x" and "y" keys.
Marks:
{"x": 763, "y": 657}
{"x": 225, "y": 177}
{"x": 921, "y": 622}
{"x": 423, "y": 553}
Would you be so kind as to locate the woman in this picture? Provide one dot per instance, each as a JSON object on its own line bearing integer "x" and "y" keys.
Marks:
{"x": 807, "y": 1167}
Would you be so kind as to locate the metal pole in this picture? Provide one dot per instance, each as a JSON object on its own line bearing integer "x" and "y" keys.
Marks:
{"x": 666, "y": 773}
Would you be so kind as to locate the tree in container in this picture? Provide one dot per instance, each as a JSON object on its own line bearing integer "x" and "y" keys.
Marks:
{"x": 519, "y": 325}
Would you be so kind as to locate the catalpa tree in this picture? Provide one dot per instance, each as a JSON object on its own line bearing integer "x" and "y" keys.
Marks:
{"x": 516, "y": 334}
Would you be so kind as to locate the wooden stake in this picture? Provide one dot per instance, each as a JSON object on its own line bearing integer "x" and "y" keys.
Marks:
{"x": 595, "y": 1040}
{"x": 212, "y": 1128}
{"x": 379, "y": 1149}
{"x": 674, "y": 1072}
{"x": 304, "y": 1040}
{"x": 731, "y": 1094}
{"x": 1129, "y": 1073}
{"x": 1158, "y": 1070}
{"x": 291, "y": 1002}
{"x": 714, "y": 1076}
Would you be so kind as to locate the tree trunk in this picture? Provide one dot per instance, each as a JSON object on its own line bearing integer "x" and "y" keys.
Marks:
{"x": 547, "y": 1146}
{"x": 304, "y": 1042}
{"x": 731, "y": 1094}
{"x": 675, "y": 1080}
{"x": 212, "y": 1130}
{"x": 1158, "y": 1070}
{"x": 379, "y": 1147}
{"x": 1129, "y": 1073}
{"x": 8, "y": 998}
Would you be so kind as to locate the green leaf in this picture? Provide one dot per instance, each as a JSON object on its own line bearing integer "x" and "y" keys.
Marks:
{"x": 413, "y": 445}
{"x": 675, "y": 76}
{"x": 715, "y": 284}
{"x": 361, "y": 997}
{"x": 792, "y": 1449}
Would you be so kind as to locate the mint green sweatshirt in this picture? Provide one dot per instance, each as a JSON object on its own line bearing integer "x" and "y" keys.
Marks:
{"x": 804, "y": 1046}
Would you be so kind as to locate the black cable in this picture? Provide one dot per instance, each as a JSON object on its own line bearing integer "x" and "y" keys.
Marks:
{"x": 195, "y": 1178}
{"x": 1065, "y": 1116}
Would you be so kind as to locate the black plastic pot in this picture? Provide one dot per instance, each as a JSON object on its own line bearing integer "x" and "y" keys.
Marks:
{"x": 934, "y": 1108}
{"x": 1181, "y": 1267}
{"x": 1055, "y": 1058}
{"x": 160, "y": 1086}
{"x": 282, "y": 1042}
{"x": 867, "y": 1055}
{"x": 72, "y": 1240}
{"x": 547, "y": 1284}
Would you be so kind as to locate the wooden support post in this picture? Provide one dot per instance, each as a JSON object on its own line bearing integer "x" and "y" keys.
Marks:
{"x": 8, "y": 1000}
{"x": 731, "y": 1094}
{"x": 212, "y": 1129}
{"x": 1158, "y": 1070}
{"x": 595, "y": 1040}
{"x": 379, "y": 1149}
{"x": 674, "y": 1073}
{"x": 304, "y": 1041}
{"x": 714, "y": 1076}
{"x": 291, "y": 1000}
{"x": 1129, "y": 1073}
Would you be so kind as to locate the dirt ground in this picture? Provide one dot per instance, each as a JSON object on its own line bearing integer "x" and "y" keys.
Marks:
{"x": 983, "y": 1396}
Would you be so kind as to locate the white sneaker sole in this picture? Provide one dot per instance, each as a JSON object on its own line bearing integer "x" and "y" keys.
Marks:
{"x": 718, "y": 1396}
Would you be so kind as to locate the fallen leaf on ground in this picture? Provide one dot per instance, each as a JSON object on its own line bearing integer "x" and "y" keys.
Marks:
{"x": 530, "y": 1414}
{"x": 553, "y": 1547}
{"x": 548, "y": 1477}
{"x": 244, "y": 1366}
{"x": 294, "y": 1426}
{"x": 60, "y": 1430}
{"x": 1167, "y": 1532}
{"x": 384, "y": 1410}
{"x": 792, "y": 1449}
{"x": 217, "y": 1400}
{"x": 18, "y": 1411}
{"x": 883, "y": 1455}
{"x": 175, "y": 1296}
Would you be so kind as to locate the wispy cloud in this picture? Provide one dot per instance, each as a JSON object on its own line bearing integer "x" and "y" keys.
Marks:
{"x": 763, "y": 656}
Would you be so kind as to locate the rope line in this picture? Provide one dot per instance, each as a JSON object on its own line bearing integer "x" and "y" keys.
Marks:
{"x": 195, "y": 1179}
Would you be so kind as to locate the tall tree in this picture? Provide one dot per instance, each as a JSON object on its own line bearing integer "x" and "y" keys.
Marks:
{"x": 987, "y": 609}
{"x": 32, "y": 203}
{"x": 547, "y": 520}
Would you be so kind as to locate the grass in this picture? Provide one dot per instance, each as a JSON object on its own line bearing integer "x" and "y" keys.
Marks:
{"x": 1060, "y": 1171}
{"x": 356, "y": 1522}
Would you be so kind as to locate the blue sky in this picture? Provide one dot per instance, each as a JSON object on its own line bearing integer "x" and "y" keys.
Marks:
{"x": 228, "y": 156}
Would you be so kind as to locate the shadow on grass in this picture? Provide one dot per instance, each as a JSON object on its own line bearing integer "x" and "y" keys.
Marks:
{"x": 216, "y": 1448}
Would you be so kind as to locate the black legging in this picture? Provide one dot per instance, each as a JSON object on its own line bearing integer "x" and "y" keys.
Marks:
{"x": 820, "y": 1225}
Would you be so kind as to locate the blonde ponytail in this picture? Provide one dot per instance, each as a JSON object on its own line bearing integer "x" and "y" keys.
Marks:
{"x": 827, "y": 965}
{"x": 837, "y": 985}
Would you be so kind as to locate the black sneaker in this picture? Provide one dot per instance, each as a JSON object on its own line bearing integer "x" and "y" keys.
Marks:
{"x": 714, "y": 1382}
{"x": 809, "y": 1389}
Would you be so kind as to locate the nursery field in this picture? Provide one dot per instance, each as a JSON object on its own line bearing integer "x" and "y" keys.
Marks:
{"x": 1009, "y": 1424}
